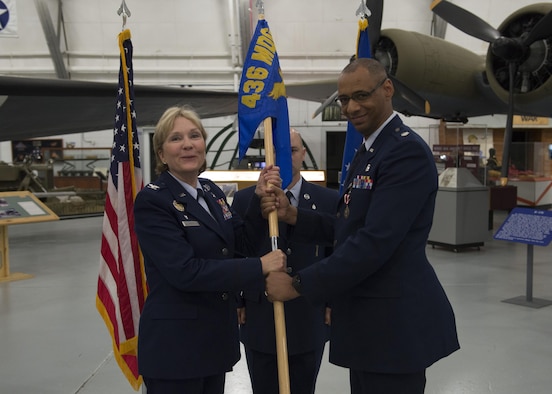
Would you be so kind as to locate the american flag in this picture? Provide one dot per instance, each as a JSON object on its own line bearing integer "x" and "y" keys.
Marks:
{"x": 122, "y": 286}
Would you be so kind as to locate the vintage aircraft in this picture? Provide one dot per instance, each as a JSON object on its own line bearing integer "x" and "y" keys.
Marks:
{"x": 518, "y": 60}
{"x": 457, "y": 83}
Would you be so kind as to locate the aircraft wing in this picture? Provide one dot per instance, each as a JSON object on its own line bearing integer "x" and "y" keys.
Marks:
{"x": 317, "y": 91}
{"x": 33, "y": 108}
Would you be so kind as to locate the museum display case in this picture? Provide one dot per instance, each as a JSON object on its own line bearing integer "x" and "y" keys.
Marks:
{"x": 461, "y": 211}
{"x": 531, "y": 172}
{"x": 463, "y": 146}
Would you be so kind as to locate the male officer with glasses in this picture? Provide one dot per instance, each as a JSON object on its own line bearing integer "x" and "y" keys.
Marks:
{"x": 391, "y": 318}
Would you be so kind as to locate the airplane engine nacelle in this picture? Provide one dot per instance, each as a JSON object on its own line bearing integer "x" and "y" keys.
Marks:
{"x": 429, "y": 64}
{"x": 533, "y": 80}
{"x": 449, "y": 77}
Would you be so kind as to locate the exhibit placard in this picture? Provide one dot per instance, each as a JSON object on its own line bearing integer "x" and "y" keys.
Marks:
{"x": 17, "y": 208}
{"x": 23, "y": 207}
{"x": 528, "y": 226}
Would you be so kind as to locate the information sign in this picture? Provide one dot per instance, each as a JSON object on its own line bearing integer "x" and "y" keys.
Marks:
{"x": 528, "y": 226}
{"x": 531, "y": 227}
{"x": 16, "y": 208}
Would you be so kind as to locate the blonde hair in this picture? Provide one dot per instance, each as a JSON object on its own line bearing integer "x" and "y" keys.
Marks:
{"x": 164, "y": 127}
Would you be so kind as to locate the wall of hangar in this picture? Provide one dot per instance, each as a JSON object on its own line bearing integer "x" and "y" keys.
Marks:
{"x": 201, "y": 44}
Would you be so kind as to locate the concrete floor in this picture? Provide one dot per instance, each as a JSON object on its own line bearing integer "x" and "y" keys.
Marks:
{"x": 53, "y": 341}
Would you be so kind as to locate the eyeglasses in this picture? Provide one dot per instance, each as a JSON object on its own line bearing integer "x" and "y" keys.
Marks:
{"x": 360, "y": 96}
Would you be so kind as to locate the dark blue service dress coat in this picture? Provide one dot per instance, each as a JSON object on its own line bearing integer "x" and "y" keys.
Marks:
{"x": 390, "y": 313}
{"x": 305, "y": 328}
{"x": 188, "y": 327}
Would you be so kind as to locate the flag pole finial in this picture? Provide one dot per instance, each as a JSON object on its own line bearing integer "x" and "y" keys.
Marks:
{"x": 363, "y": 10}
{"x": 125, "y": 12}
{"x": 260, "y": 7}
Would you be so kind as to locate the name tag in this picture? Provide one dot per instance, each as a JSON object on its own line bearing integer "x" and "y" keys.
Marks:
{"x": 190, "y": 223}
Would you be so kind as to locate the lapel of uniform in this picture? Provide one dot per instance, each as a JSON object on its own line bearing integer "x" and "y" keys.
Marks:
{"x": 191, "y": 205}
{"x": 216, "y": 210}
{"x": 393, "y": 126}
{"x": 358, "y": 167}
{"x": 364, "y": 164}
{"x": 305, "y": 196}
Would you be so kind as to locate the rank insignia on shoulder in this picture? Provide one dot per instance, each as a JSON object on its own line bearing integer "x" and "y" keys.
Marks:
{"x": 152, "y": 186}
{"x": 178, "y": 206}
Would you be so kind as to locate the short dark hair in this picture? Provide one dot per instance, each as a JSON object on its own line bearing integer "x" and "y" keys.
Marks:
{"x": 372, "y": 65}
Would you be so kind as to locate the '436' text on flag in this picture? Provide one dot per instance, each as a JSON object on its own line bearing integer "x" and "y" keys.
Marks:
{"x": 262, "y": 94}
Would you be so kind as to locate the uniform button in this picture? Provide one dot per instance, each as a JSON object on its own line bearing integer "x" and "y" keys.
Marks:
{"x": 225, "y": 251}
{"x": 335, "y": 243}
{"x": 225, "y": 296}
{"x": 338, "y": 215}
{"x": 288, "y": 251}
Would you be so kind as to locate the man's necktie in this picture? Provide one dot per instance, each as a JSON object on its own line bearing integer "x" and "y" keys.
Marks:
{"x": 354, "y": 163}
{"x": 289, "y": 195}
{"x": 361, "y": 149}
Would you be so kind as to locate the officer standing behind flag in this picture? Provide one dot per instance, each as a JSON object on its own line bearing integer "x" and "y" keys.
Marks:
{"x": 307, "y": 326}
{"x": 391, "y": 318}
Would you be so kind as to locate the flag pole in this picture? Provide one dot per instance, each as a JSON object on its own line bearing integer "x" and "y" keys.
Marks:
{"x": 262, "y": 99}
{"x": 279, "y": 316}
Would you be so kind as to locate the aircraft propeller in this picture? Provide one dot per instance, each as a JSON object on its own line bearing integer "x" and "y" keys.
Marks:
{"x": 514, "y": 51}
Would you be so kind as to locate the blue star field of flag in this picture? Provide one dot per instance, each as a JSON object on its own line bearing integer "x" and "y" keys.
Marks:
{"x": 120, "y": 150}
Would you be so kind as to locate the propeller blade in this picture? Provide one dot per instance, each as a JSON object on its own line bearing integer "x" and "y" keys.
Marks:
{"x": 410, "y": 95}
{"x": 542, "y": 30}
{"x": 466, "y": 21}
{"x": 374, "y": 21}
{"x": 328, "y": 101}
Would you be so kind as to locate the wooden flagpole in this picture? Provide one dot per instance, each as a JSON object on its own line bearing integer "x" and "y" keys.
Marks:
{"x": 279, "y": 316}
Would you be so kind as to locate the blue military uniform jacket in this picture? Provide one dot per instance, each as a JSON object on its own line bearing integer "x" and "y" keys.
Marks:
{"x": 188, "y": 326}
{"x": 390, "y": 313}
{"x": 305, "y": 328}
